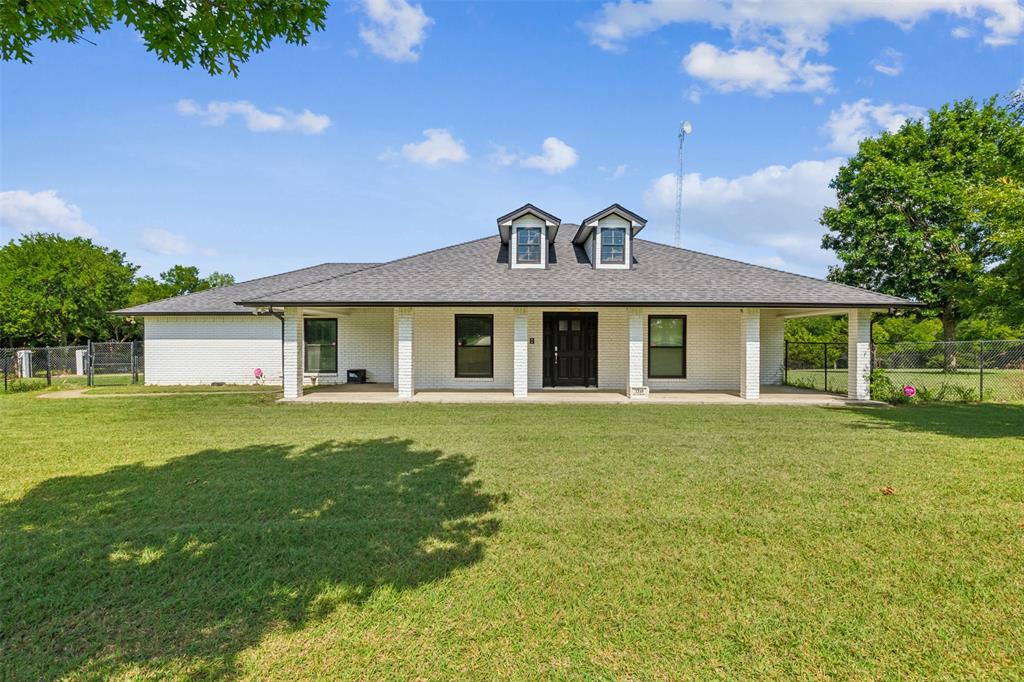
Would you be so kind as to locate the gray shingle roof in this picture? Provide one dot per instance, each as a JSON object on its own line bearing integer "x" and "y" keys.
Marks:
{"x": 477, "y": 273}
{"x": 222, "y": 300}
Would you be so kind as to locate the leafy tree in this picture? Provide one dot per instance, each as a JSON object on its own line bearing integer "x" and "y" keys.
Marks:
{"x": 55, "y": 290}
{"x": 178, "y": 280}
{"x": 907, "y": 223}
{"x": 212, "y": 33}
{"x": 1002, "y": 206}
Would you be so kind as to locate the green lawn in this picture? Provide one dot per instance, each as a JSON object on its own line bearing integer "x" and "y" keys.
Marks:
{"x": 231, "y": 536}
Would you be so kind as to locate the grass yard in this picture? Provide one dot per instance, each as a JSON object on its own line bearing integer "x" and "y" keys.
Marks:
{"x": 231, "y": 536}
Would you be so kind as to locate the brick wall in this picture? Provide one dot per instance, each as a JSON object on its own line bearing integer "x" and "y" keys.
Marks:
{"x": 712, "y": 348}
{"x": 201, "y": 349}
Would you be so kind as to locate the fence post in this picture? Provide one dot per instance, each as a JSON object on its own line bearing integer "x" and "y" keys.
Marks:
{"x": 135, "y": 371}
{"x": 88, "y": 362}
{"x": 785, "y": 365}
{"x": 824, "y": 347}
{"x": 981, "y": 371}
{"x": 49, "y": 375}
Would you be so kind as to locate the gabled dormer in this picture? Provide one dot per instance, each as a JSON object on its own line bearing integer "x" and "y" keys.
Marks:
{"x": 607, "y": 237}
{"x": 528, "y": 232}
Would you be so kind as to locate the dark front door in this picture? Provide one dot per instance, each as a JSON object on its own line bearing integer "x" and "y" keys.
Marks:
{"x": 570, "y": 349}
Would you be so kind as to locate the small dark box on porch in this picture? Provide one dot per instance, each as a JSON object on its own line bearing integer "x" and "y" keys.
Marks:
{"x": 356, "y": 376}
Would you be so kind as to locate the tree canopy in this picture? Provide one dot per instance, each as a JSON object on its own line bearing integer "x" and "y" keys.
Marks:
{"x": 178, "y": 280}
{"x": 57, "y": 291}
{"x": 922, "y": 211}
{"x": 213, "y": 33}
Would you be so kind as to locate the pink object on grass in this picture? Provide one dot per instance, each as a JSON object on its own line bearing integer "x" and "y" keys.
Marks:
{"x": 258, "y": 372}
{"x": 909, "y": 391}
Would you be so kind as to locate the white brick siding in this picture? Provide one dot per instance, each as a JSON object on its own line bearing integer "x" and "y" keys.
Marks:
{"x": 405, "y": 380}
{"x": 773, "y": 347}
{"x": 712, "y": 348}
{"x": 859, "y": 354}
{"x": 750, "y": 353}
{"x": 365, "y": 342}
{"x": 521, "y": 351}
{"x": 293, "y": 352}
{"x": 201, "y": 349}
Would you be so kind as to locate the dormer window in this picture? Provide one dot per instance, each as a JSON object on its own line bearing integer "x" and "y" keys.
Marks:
{"x": 526, "y": 236}
{"x": 607, "y": 237}
{"x": 613, "y": 245}
{"x": 528, "y": 242}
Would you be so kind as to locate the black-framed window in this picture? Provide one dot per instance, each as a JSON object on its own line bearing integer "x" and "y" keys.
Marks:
{"x": 474, "y": 346}
{"x": 528, "y": 245}
{"x": 613, "y": 245}
{"x": 666, "y": 346}
{"x": 320, "y": 340}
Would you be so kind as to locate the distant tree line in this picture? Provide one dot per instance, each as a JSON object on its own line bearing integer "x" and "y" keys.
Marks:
{"x": 57, "y": 291}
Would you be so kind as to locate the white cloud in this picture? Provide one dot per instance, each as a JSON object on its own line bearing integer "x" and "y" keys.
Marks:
{"x": 44, "y": 211}
{"x": 258, "y": 121}
{"x": 501, "y": 156}
{"x": 961, "y": 32}
{"x": 439, "y": 147}
{"x": 395, "y": 29}
{"x": 760, "y": 70}
{"x": 772, "y": 38}
{"x": 771, "y": 214}
{"x": 555, "y": 157}
{"x": 693, "y": 94}
{"x": 619, "y": 171}
{"x": 164, "y": 243}
{"x": 889, "y": 62}
{"x": 852, "y": 122}
{"x": 797, "y": 24}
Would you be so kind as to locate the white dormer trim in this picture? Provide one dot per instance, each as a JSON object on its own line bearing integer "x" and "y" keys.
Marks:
{"x": 528, "y": 220}
{"x": 586, "y": 229}
{"x": 551, "y": 222}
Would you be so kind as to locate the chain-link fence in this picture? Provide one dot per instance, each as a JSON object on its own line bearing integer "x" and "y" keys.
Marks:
{"x": 958, "y": 370}
{"x": 819, "y": 366}
{"x": 94, "y": 364}
{"x": 941, "y": 371}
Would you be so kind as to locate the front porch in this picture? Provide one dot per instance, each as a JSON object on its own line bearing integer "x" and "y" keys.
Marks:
{"x": 577, "y": 354}
{"x": 386, "y": 393}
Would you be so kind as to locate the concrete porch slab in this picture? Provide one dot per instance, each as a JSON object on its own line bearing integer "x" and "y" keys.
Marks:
{"x": 385, "y": 393}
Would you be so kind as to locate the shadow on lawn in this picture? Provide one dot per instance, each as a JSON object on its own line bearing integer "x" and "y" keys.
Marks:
{"x": 979, "y": 420}
{"x": 175, "y": 569}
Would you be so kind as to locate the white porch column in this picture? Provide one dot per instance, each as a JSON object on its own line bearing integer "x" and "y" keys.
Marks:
{"x": 404, "y": 381}
{"x": 750, "y": 353}
{"x": 858, "y": 353}
{"x": 293, "y": 361}
{"x": 520, "y": 351}
{"x": 636, "y": 388}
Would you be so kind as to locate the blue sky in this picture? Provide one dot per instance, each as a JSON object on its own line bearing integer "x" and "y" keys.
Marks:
{"x": 405, "y": 127}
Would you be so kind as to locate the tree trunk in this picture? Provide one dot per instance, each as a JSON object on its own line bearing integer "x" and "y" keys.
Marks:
{"x": 949, "y": 336}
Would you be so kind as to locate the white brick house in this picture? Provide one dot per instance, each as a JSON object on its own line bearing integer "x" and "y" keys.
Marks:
{"x": 523, "y": 310}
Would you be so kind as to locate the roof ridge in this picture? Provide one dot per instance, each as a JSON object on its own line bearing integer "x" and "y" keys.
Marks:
{"x": 770, "y": 269}
{"x": 374, "y": 266}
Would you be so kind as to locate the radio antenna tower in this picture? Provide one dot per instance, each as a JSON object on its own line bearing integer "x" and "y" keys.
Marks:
{"x": 685, "y": 128}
